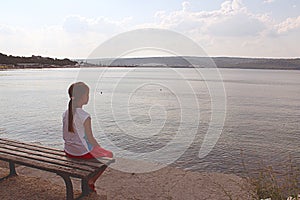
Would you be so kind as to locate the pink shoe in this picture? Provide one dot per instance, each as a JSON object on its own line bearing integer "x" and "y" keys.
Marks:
{"x": 99, "y": 152}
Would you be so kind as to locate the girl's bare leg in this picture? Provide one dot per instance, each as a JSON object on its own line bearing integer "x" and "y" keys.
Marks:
{"x": 92, "y": 181}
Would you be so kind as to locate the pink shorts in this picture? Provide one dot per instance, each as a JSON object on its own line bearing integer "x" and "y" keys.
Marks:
{"x": 97, "y": 152}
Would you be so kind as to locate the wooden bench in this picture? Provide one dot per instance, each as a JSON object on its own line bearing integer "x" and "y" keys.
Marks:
{"x": 52, "y": 160}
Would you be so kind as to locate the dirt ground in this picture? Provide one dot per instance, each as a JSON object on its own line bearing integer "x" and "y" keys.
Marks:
{"x": 164, "y": 184}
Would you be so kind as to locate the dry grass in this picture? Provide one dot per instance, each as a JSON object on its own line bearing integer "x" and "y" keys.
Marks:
{"x": 277, "y": 183}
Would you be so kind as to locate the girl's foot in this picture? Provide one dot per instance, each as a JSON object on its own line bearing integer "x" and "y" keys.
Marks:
{"x": 99, "y": 152}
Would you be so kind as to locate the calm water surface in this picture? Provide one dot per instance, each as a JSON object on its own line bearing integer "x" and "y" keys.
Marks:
{"x": 140, "y": 111}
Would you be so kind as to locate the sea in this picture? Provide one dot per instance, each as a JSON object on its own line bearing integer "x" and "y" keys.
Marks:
{"x": 212, "y": 120}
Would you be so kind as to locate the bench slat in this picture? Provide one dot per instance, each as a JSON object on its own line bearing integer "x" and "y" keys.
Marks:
{"x": 60, "y": 152}
{"x": 43, "y": 166}
{"x": 48, "y": 158}
{"x": 90, "y": 162}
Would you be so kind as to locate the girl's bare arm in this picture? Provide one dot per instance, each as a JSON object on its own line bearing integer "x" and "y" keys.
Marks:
{"x": 88, "y": 131}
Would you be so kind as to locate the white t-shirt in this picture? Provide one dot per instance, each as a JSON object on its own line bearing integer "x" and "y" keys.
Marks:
{"x": 76, "y": 143}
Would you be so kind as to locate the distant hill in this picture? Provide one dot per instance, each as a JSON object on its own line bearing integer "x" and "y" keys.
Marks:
{"x": 258, "y": 63}
{"x": 203, "y": 62}
{"x": 173, "y": 62}
{"x": 37, "y": 61}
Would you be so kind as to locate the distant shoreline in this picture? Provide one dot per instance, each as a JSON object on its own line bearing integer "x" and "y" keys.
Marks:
{"x": 156, "y": 62}
{"x": 159, "y": 67}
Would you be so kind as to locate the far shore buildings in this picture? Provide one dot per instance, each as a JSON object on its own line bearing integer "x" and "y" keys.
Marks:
{"x": 35, "y": 66}
{"x": 21, "y": 66}
{"x": 28, "y": 65}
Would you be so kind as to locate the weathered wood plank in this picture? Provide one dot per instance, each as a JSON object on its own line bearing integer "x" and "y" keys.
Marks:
{"x": 33, "y": 145}
{"x": 92, "y": 162}
{"x": 44, "y": 166}
{"x": 48, "y": 158}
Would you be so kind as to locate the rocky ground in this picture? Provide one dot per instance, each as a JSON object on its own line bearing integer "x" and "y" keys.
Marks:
{"x": 165, "y": 184}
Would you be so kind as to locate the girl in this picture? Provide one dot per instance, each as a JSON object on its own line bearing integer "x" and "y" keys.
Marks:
{"x": 77, "y": 129}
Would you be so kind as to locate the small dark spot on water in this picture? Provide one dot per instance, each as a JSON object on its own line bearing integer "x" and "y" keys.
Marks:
{"x": 160, "y": 89}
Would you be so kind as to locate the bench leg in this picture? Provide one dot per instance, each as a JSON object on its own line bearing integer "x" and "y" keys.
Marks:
{"x": 85, "y": 187}
{"x": 12, "y": 171}
{"x": 69, "y": 187}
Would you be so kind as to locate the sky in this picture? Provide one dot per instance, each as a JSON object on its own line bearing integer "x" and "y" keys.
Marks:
{"x": 73, "y": 28}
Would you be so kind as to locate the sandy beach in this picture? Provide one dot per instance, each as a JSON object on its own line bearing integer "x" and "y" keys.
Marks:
{"x": 166, "y": 183}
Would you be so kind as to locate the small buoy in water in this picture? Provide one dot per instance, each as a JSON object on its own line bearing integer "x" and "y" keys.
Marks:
{"x": 100, "y": 92}
{"x": 160, "y": 89}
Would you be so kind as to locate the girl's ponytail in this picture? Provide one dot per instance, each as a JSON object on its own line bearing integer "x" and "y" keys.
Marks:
{"x": 71, "y": 109}
{"x": 76, "y": 91}
{"x": 70, "y": 123}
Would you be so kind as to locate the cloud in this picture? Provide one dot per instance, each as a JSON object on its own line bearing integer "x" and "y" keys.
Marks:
{"x": 229, "y": 30}
{"x": 186, "y": 6}
{"x": 238, "y": 25}
{"x": 268, "y": 1}
{"x": 79, "y": 24}
{"x": 234, "y": 5}
{"x": 6, "y": 30}
{"x": 233, "y": 29}
{"x": 290, "y": 24}
{"x": 75, "y": 38}
{"x": 75, "y": 24}
{"x": 231, "y": 20}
